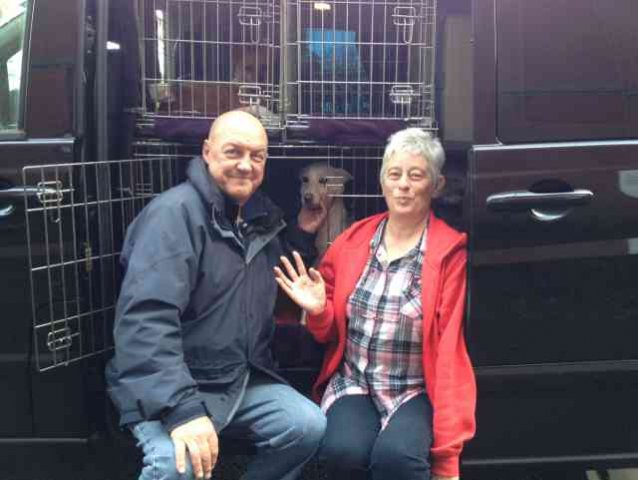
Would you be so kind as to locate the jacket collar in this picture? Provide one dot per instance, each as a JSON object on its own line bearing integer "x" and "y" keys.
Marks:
{"x": 207, "y": 188}
{"x": 441, "y": 238}
{"x": 259, "y": 207}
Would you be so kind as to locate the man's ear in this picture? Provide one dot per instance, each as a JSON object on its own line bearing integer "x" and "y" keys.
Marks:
{"x": 206, "y": 146}
{"x": 439, "y": 187}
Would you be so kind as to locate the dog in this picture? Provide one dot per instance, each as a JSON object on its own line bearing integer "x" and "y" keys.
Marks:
{"x": 250, "y": 64}
{"x": 208, "y": 90}
{"x": 322, "y": 187}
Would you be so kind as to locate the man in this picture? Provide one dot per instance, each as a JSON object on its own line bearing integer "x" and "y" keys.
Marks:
{"x": 194, "y": 319}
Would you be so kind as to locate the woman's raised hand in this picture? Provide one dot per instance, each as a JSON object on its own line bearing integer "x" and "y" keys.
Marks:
{"x": 305, "y": 288}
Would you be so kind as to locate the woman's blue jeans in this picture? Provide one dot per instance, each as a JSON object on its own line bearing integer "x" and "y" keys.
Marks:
{"x": 355, "y": 449}
{"x": 285, "y": 427}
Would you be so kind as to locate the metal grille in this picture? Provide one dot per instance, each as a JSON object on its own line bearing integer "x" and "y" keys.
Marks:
{"x": 201, "y": 58}
{"x": 361, "y": 59}
{"x": 77, "y": 221}
{"x": 361, "y": 196}
{"x": 75, "y": 228}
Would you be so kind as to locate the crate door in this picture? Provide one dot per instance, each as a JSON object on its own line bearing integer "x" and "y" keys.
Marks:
{"x": 76, "y": 224}
{"x": 204, "y": 57}
{"x": 361, "y": 60}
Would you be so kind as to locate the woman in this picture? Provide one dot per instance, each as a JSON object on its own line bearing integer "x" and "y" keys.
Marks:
{"x": 396, "y": 384}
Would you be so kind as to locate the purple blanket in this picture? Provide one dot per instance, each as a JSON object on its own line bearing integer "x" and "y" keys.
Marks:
{"x": 182, "y": 130}
{"x": 328, "y": 131}
{"x": 353, "y": 132}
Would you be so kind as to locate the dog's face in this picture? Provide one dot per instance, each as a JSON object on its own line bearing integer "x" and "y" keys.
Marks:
{"x": 320, "y": 182}
{"x": 249, "y": 64}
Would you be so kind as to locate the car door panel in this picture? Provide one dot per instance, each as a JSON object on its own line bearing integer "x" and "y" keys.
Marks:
{"x": 553, "y": 309}
{"x": 568, "y": 283}
{"x": 45, "y": 134}
{"x": 553, "y": 227}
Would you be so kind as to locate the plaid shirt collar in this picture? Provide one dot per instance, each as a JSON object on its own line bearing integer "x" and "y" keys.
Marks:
{"x": 377, "y": 249}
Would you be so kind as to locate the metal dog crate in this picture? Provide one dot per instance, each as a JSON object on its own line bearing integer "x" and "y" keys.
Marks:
{"x": 78, "y": 213}
{"x": 201, "y": 58}
{"x": 361, "y": 59}
{"x": 362, "y": 195}
{"x": 76, "y": 220}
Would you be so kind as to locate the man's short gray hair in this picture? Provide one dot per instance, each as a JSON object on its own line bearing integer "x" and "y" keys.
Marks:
{"x": 416, "y": 142}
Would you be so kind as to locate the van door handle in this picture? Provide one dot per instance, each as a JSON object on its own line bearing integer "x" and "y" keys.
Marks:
{"x": 16, "y": 193}
{"x": 21, "y": 192}
{"x": 521, "y": 200}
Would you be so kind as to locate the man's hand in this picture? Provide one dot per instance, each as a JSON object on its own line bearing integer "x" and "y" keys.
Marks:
{"x": 310, "y": 219}
{"x": 438, "y": 477}
{"x": 200, "y": 438}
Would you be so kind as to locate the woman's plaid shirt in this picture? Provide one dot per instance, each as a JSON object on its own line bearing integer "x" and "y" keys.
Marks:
{"x": 384, "y": 347}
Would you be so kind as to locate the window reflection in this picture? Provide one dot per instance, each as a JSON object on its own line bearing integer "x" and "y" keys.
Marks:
{"x": 12, "y": 26}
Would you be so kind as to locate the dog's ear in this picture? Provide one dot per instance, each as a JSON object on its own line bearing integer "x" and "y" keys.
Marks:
{"x": 303, "y": 172}
{"x": 341, "y": 173}
{"x": 313, "y": 166}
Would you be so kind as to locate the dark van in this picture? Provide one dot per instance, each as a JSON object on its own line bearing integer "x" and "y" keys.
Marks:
{"x": 102, "y": 103}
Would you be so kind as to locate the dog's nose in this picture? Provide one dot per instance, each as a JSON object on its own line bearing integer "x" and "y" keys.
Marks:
{"x": 307, "y": 197}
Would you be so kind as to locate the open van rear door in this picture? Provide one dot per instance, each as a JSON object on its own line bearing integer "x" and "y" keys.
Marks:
{"x": 42, "y": 92}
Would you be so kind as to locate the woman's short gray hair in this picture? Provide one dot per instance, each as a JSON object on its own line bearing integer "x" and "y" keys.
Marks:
{"x": 416, "y": 142}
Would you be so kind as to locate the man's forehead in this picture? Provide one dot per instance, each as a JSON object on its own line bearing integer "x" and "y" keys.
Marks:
{"x": 244, "y": 143}
{"x": 240, "y": 135}
{"x": 237, "y": 121}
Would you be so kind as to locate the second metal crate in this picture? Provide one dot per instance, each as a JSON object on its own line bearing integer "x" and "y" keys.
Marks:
{"x": 361, "y": 59}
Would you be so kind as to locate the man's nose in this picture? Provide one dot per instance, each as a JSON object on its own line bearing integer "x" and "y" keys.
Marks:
{"x": 244, "y": 163}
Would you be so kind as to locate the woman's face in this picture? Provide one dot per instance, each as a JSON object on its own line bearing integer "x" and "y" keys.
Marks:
{"x": 407, "y": 186}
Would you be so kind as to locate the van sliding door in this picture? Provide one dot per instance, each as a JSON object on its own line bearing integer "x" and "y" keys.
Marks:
{"x": 553, "y": 316}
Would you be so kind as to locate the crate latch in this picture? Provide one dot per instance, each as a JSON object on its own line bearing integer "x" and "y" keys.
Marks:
{"x": 250, "y": 95}
{"x": 405, "y": 17}
{"x": 50, "y": 195}
{"x": 251, "y": 18}
{"x": 59, "y": 339}
{"x": 402, "y": 94}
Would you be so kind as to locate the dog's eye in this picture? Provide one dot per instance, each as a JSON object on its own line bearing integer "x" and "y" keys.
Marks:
{"x": 304, "y": 179}
{"x": 323, "y": 180}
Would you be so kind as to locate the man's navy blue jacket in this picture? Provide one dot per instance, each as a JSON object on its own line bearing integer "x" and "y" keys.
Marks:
{"x": 195, "y": 311}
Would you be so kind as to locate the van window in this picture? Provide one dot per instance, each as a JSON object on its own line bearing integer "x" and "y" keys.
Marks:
{"x": 12, "y": 26}
{"x": 567, "y": 70}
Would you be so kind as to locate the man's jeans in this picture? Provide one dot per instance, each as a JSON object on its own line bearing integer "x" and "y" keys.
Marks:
{"x": 285, "y": 426}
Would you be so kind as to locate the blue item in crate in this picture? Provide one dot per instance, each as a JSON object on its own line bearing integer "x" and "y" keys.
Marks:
{"x": 335, "y": 61}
